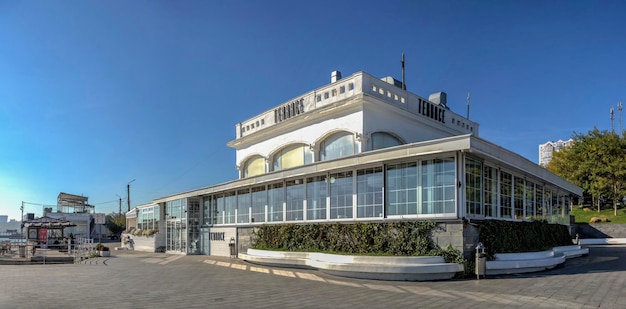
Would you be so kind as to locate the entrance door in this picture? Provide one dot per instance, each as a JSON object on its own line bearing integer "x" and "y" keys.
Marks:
{"x": 205, "y": 246}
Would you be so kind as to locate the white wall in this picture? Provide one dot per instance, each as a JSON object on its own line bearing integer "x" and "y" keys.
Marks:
{"x": 220, "y": 247}
{"x": 308, "y": 134}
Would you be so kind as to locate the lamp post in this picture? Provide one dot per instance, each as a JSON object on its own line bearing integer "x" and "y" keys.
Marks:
{"x": 128, "y": 193}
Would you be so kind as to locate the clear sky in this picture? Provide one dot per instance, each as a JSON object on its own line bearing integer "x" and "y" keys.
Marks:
{"x": 94, "y": 94}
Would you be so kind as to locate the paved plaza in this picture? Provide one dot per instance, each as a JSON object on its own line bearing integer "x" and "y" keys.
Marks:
{"x": 157, "y": 280}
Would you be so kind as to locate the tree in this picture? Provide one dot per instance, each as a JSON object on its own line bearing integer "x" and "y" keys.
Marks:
{"x": 596, "y": 162}
{"x": 116, "y": 223}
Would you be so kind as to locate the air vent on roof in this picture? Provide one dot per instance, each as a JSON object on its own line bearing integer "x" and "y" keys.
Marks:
{"x": 392, "y": 81}
{"x": 439, "y": 98}
{"x": 335, "y": 76}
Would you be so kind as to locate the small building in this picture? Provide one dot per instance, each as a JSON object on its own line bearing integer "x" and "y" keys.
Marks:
{"x": 75, "y": 209}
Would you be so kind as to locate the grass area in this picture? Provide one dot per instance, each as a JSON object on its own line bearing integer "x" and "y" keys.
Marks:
{"x": 585, "y": 214}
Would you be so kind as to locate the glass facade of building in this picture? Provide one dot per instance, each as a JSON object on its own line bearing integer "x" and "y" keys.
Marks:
{"x": 148, "y": 218}
{"x": 417, "y": 188}
{"x": 183, "y": 220}
{"x": 511, "y": 195}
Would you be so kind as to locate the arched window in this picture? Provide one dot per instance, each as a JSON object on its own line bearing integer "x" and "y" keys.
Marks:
{"x": 383, "y": 140}
{"x": 292, "y": 156}
{"x": 337, "y": 146}
{"x": 254, "y": 166}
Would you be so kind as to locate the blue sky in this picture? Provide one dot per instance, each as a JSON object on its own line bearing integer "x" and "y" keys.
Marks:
{"x": 94, "y": 94}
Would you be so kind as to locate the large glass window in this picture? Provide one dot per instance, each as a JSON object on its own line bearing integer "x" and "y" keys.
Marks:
{"x": 254, "y": 166}
{"x": 210, "y": 210}
{"x": 295, "y": 200}
{"x": 148, "y": 218}
{"x": 337, "y": 146}
{"x": 276, "y": 198}
{"x": 473, "y": 187}
{"x": 316, "y": 198}
{"x": 382, "y": 140}
{"x": 220, "y": 201}
{"x": 557, "y": 200}
{"x": 401, "y": 189}
{"x": 244, "y": 201}
{"x": 193, "y": 227}
{"x": 539, "y": 202}
{"x": 530, "y": 200}
{"x": 176, "y": 230}
{"x": 518, "y": 198}
{"x": 259, "y": 200}
{"x": 506, "y": 187}
{"x": 369, "y": 192}
{"x": 491, "y": 191}
{"x": 341, "y": 195}
{"x": 292, "y": 156}
{"x": 547, "y": 204}
{"x": 438, "y": 186}
{"x": 230, "y": 204}
{"x": 174, "y": 209}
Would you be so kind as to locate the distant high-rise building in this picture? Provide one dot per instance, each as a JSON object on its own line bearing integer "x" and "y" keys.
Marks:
{"x": 546, "y": 150}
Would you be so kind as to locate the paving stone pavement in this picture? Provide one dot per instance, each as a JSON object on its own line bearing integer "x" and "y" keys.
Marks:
{"x": 156, "y": 280}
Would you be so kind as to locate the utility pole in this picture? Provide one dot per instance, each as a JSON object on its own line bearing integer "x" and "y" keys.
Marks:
{"x": 128, "y": 193}
{"x": 120, "y": 210}
{"x": 22, "y": 220}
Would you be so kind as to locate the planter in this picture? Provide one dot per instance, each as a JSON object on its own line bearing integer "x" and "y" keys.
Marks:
{"x": 396, "y": 268}
{"x": 105, "y": 253}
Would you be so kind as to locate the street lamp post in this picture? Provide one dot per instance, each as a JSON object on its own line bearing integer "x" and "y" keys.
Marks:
{"x": 128, "y": 193}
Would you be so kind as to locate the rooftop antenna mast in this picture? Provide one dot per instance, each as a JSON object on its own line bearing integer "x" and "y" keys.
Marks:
{"x": 619, "y": 107}
{"x": 612, "y": 117}
{"x": 403, "y": 83}
{"x": 468, "y": 104}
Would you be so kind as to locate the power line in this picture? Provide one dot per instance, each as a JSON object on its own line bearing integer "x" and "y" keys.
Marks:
{"x": 113, "y": 201}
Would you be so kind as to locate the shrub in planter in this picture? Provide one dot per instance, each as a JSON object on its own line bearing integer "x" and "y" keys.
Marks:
{"x": 149, "y": 232}
{"x": 101, "y": 247}
{"x": 137, "y": 232}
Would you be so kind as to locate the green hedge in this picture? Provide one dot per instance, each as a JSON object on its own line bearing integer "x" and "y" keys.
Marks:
{"x": 401, "y": 238}
{"x": 513, "y": 237}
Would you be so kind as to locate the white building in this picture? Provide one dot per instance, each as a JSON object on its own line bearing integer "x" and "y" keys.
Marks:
{"x": 75, "y": 209}
{"x": 359, "y": 149}
{"x": 546, "y": 150}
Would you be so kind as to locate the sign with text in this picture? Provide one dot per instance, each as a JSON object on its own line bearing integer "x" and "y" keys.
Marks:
{"x": 99, "y": 218}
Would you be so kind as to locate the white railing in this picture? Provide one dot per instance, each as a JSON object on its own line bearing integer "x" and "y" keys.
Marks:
{"x": 81, "y": 248}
